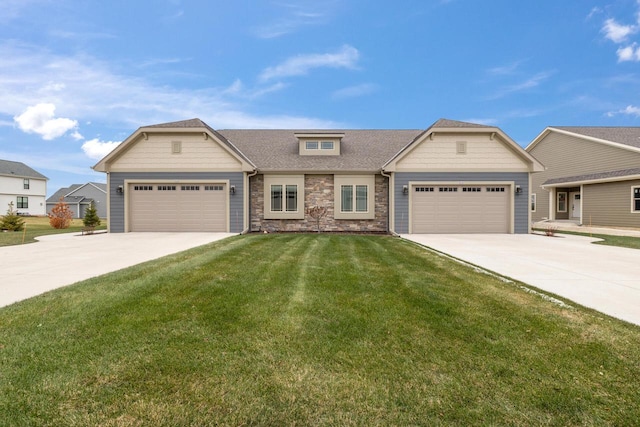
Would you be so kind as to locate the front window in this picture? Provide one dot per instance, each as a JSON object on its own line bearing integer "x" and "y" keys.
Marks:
{"x": 312, "y": 145}
{"x": 23, "y": 202}
{"x": 25, "y": 183}
{"x": 359, "y": 202}
{"x": 636, "y": 199}
{"x": 277, "y": 198}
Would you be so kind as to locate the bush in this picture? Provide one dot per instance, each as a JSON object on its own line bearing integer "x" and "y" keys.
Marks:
{"x": 91, "y": 218}
{"x": 11, "y": 221}
{"x": 60, "y": 216}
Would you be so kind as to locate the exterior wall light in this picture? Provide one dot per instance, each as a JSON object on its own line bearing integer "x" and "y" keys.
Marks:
{"x": 405, "y": 189}
{"x": 232, "y": 189}
{"x": 120, "y": 189}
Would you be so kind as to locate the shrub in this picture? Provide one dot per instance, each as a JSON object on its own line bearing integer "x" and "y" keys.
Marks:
{"x": 317, "y": 213}
{"x": 91, "y": 218}
{"x": 11, "y": 221}
{"x": 60, "y": 216}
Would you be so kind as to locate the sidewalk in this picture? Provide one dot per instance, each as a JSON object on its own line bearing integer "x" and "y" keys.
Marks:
{"x": 565, "y": 225}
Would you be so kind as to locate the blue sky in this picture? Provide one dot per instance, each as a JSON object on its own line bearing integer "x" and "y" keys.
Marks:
{"x": 78, "y": 77}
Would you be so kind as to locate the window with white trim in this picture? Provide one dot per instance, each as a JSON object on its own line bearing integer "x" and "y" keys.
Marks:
{"x": 354, "y": 196}
{"x": 533, "y": 202}
{"x": 284, "y": 196}
{"x": 23, "y": 202}
{"x": 25, "y": 184}
{"x": 635, "y": 207}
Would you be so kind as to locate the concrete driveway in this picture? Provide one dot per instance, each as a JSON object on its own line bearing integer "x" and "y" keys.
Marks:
{"x": 604, "y": 278}
{"x": 62, "y": 259}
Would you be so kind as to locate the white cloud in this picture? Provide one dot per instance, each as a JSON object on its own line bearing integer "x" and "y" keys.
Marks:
{"x": 346, "y": 57}
{"x": 295, "y": 17}
{"x": 96, "y": 149}
{"x": 354, "y": 91}
{"x": 40, "y": 119}
{"x": 617, "y": 33}
{"x": 630, "y": 110}
{"x": 629, "y": 53}
{"x": 29, "y": 74}
{"x": 529, "y": 83}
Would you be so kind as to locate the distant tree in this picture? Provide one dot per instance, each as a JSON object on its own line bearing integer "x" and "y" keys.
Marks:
{"x": 11, "y": 221}
{"x": 91, "y": 218}
{"x": 317, "y": 213}
{"x": 60, "y": 216}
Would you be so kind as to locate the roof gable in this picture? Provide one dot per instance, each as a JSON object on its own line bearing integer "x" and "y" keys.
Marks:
{"x": 627, "y": 138}
{"x": 453, "y": 127}
{"x": 190, "y": 127}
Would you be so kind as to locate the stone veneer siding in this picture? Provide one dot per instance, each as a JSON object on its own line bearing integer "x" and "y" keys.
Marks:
{"x": 319, "y": 191}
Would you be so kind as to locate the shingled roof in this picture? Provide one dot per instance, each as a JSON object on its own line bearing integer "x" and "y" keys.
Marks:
{"x": 18, "y": 169}
{"x": 622, "y": 135}
{"x": 360, "y": 150}
{"x": 624, "y": 173}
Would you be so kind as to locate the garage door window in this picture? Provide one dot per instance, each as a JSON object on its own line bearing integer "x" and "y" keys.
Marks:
{"x": 166, "y": 188}
{"x": 495, "y": 189}
{"x": 142, "y": 187}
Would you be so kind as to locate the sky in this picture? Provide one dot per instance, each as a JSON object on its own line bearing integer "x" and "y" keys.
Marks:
{"x": 77, "y": 77}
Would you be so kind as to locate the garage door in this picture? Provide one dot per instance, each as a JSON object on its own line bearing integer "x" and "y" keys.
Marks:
{"x": 177, "y": 207}
{"x": 460, "y": 209}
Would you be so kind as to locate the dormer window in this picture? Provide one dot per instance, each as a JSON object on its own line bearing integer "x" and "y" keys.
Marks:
{"x": 319, "y": 144}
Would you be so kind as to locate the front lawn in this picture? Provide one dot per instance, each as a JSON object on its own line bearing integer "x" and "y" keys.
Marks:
{"x": 305, "y": 329}
{"x": 39, "y": 226}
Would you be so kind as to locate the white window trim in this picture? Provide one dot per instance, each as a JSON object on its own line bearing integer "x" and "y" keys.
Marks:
{"x": 284, "y": 180}
{"x": 533, "y": 201}
{"x": 633, "y": 210}
{"x": 354, "y": 180}
{"x": 566, "y": 201}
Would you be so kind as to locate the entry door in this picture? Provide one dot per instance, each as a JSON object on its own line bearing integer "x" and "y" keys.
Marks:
{"x": 575, "y": 205}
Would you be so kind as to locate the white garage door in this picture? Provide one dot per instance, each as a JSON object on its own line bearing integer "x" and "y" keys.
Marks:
{"x": 460, "y": 209}
{"x": 177, "y": 207}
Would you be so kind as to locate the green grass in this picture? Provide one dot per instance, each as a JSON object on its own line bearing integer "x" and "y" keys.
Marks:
{"x": 608, "y": 240}
{"x": 297, "y": 329}
{"x": 39, "y": 226}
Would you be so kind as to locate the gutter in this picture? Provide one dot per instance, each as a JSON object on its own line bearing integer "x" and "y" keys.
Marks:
{"x": 247, "y": 196}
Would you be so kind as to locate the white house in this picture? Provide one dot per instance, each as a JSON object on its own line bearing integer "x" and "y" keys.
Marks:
{"x": 23, "y": 186}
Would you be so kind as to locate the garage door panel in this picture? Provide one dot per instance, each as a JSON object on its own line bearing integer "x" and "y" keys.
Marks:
{"x": 460, "y": 209}
{"x": 192, "y": 207}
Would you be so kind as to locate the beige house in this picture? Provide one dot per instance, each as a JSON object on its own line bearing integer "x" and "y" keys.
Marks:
{"x": 453, "y": 177}
{"x": 592, "y": 175}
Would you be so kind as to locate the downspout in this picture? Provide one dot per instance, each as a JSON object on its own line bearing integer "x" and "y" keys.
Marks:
{"x": 391, "y": 208}
{"x": 247, "y": 198}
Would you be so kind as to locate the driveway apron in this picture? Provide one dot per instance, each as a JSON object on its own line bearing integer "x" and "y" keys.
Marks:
{"x": 605, "y": 278}
{"x": 62, "y": 259}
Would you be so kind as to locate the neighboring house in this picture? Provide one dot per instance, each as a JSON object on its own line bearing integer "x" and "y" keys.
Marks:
{"x": 79, "y": 197}
{"x": 23, "y": 186}
{"x": 592, "y": 175}
{"x": 454, "y": 177}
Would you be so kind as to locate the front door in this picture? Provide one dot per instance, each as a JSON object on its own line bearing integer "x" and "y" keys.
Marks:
{"x": 575, "y": 205}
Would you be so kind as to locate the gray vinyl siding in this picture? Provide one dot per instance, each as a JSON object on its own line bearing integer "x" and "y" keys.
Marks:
{"x": 565, "y": 156}
{"x": 521, "y": 208}
{"x": 91, "y": 192}
{"x": 609, "y": 204}
{"x": 236, "y": 205}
